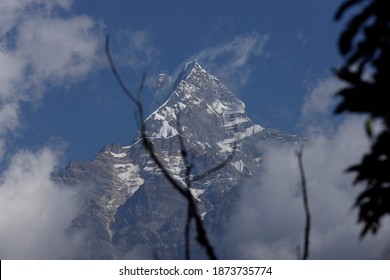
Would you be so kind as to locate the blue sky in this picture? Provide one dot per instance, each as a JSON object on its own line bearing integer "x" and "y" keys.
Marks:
{"x": 59, "y": 102}
{"x": 293, "y": 46}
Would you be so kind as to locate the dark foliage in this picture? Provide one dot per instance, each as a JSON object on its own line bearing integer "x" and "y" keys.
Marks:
{"x": 365, "y": 45}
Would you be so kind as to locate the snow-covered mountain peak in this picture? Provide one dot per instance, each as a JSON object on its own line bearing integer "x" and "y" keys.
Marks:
{"x": 129, "y": 204}
{"x": 191, "y": 76}
{"x": 191, "y": 68}
{"x": 191, "y": 65}
{"x": 204, "y": 104}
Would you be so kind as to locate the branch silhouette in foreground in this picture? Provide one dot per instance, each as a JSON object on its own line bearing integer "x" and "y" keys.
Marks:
{"x": 306, "y": 246}
{"x": 183, "y": 190}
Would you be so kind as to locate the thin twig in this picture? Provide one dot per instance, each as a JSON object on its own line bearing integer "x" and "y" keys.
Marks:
{"x": 183, "y": 190}
{"x": 187, "y": 250}
{"x": 192, "y": 208}
{"x": 148, "y": 145}
{"x": 305, "y": 255}
{"x": 115, "y": 72}
{"x": 188, "y": 166}
{"x": 218, "y": 166}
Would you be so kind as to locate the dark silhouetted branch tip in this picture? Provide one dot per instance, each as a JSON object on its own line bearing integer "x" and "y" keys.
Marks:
{"x": 306, "y": 244}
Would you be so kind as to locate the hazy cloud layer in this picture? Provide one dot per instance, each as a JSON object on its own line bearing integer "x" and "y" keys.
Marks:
{"x": 139, "y": 51}
{"x": 321, "y": 98}
{"x": 230, "y": 60}
{"x": 38, "y": 49}
{"x": 269, "y": 220}
{"x": 35, "y": 212}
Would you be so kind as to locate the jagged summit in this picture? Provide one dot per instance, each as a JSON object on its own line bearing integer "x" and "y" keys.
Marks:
{"x": 188, "y": 68}
{"x": 192, "y": 68}
{"x": 193, "y": 82}
{"x": 165, "y": 84}
{"x": 190, "y": 65}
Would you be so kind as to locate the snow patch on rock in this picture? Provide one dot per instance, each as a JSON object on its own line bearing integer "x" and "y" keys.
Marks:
{"x": 219, "y": 107}
{"x": 238, "y": 165}
{"x": 120, "y": 155}
{"x": 236, "y": 121}
{"x": 196, "y": 193}
{"x": 166, "y": 131}
{"x": 227, "y": 144}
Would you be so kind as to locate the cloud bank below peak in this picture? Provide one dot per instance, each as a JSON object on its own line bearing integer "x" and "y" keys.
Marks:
{"x": 268, "y": 222}
{"x": 36, "y": 212}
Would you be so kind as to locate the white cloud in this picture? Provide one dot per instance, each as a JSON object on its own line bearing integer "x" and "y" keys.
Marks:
{"x": 38, "y": 49}
{"x": 56, "y": 48}
{"x": 321, "y": 97}
{"x": 35, "y": 212}
{"x": 9, "y": 121}
{"x": 11, "y": 69}
{"x": 230, "y": 60}
{"x": 9, "y": 117}
{"x": 13, "y": 11}
{"x": 269, "y": 220}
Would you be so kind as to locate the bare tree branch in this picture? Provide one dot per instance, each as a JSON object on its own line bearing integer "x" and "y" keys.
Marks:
{"x": 192, "y": 208}
{"x": 116, "y": 74}
{"x": 189, "y": 180}
{"x": 145, "y": 140}
{"x": 187, "y": 251}
{"x": 185, "y": 190}
{"x": 184, "y": 154}
{"x": 187, "y": 163}
{"x": 218, "y": 166}
{"x": 299, "y": 154}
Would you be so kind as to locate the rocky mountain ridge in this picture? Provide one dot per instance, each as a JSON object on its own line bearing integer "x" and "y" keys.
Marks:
{"x": 130, "y": 210}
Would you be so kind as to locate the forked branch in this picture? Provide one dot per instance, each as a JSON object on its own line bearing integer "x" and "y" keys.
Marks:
{"x": 185, "y": 190}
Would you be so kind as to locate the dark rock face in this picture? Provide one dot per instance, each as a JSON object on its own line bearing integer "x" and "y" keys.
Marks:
{"x": 129, "y": 204}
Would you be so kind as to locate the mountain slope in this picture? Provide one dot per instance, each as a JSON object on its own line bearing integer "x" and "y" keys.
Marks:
{"x": 129, "y": 205}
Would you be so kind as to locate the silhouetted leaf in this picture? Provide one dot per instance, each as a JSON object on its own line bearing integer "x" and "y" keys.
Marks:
{"x": 344, "y": 7}
{"x": 346, "y": 38}
{"x": 368, "y": 127}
